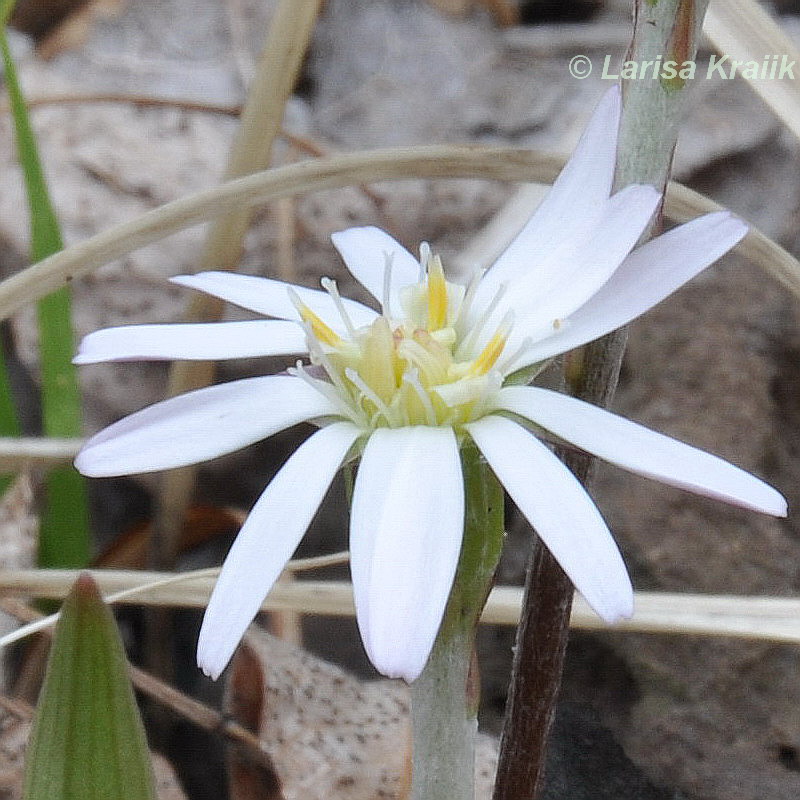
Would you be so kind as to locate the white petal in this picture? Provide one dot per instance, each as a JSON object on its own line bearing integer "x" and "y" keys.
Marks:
{"x": 647, "y": 276}
{"x": 561, "y": 512}
{"x": 584, "y": 266}
{"x": 200, "y": 425}
{"x": 405, "y": 539}
{"x": 267, "y": 540}
{"x": 271, "y": 298}
{"x": 640, "y": 450}
{"x": 575, "y": 272}
{"x": 576, "y": 199}
{"x": 213, "y": 341}
{"x": 365, "y": 251}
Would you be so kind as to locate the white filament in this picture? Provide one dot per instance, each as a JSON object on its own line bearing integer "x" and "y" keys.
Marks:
{"x": 333, "y": 290}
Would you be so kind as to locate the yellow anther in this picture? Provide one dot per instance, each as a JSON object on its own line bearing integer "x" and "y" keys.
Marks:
{"x": 489, "y": 355}
{"x": 320, "y": 330}
{"x": 437, "y": 295}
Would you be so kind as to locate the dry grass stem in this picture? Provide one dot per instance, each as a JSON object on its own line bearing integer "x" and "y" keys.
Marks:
{"x": 17, "y": 454}
{"x": 287, "y": 39}
{"x": 745, "y": 31}
{"x": 503, "y": 164}
{"x": 765, "y": 618}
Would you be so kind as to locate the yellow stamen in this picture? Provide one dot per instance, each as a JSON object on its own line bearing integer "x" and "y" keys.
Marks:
{"x": 320, "y": 330}
{"x": 489, "y": 355}
{"x": 437, "y": 295}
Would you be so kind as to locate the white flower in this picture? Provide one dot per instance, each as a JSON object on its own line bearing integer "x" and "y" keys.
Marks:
{"x": 404, "y": 388}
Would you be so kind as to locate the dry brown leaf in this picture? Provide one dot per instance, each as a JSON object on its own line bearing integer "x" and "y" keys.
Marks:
{"x": 203, "y": 523}
{"x": 60, "y": 25}
{"x": 38, "y": 17}
{"x": 330, "y": 735}
{"x": 505, "y": 13}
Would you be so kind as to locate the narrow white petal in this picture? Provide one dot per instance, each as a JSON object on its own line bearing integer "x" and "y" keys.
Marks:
{"x": 271, "y": 298}
{"x": 577, "y": 197}
{"x": 581, "y": 269}
{"x": 200, "y": 425}
{"x": 561, "y": 512}
{"x": 564, "y": 279}
{"x": 647, "y": 276}
{"x": 406, "y": 530}
{"x": 204, "y": 341}
{"x": 267, "y": 540}
{"x": 640, "y": 450}
{"x": 365, "y": 251}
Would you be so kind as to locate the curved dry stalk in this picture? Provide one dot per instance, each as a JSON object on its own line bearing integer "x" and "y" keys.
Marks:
{"x": 774, "y": 619}
{"x": 502, "y": 164}
{"x": 682, "y": 204}
{"x": 505, "y": 164}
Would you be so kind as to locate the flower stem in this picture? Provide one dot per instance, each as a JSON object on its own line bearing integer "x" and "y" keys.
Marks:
{"x": 444, "y": 723}
{"x": 444, "y": 699}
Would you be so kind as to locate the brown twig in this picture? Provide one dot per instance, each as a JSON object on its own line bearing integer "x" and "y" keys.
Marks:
{"x": 544, "y": 627}
{"x": 547, "y": 603}
{"x": 142, "y": 100}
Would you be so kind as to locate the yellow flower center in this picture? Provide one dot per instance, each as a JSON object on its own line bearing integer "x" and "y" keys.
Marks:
{"x": 409, "y": 370}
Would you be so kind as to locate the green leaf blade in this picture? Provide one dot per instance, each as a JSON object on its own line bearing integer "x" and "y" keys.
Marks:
{"x": 64, "y": 531}
{"x": 88, "y": 741}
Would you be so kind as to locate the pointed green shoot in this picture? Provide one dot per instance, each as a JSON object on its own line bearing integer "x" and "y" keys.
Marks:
{"x": 88, "y": 742}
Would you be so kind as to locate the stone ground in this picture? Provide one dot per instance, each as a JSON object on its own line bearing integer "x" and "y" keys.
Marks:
{"x": 716, "y": 365}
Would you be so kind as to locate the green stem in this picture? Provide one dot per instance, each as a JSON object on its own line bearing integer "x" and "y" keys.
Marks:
{"x": 444, "y": 699}
{"x": 444, "y": 722}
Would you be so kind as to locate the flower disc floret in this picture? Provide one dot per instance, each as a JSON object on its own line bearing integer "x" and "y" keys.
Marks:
{"x": 414, "y": 369}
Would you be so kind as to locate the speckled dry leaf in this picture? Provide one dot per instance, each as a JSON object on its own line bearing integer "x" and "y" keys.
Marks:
{"x": 331, "y": 736}
{"x": 15, "y": 724}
